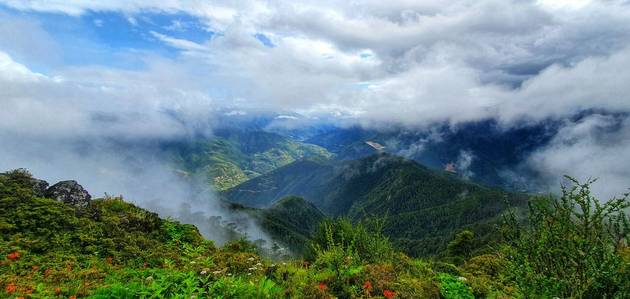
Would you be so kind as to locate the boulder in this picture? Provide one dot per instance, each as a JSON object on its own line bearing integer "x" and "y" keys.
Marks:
{"x": 69, "y": 192}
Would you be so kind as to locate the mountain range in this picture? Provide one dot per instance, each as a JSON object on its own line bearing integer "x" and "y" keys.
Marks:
{"x": 422, "y": 208}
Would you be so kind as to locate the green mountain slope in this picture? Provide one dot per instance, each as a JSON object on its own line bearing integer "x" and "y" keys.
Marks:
{"x": 233, "y": 156}
{"x": 305, "y": 178}
{"x": 109, "y": 248}
{"x": 291, "y": 221}
{"x": 423, "y": 207}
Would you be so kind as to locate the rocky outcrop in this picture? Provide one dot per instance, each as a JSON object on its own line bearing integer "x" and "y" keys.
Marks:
{"x": 69, "y": 192}
{"x": 39, "y": 187}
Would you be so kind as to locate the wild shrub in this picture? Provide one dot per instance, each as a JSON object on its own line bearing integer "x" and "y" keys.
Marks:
{"x": 570, "y": 246}
{"x": 452, "y": 287}
{"x": 365, "y": 238}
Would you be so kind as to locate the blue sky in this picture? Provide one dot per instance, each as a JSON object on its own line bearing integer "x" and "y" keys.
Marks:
{"x": 106, "y": 38}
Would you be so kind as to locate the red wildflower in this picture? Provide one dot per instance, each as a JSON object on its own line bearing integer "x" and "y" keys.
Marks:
{"x": 19, "y": 297}
{"x": 72, "y": 297}
{"x": 10, "y": 288}
{"x": 389, "y": 294}
{"x": 322, "y": 286}
{"x": 13, "y": 255}
{"x": 367, "y": 285}
{"x": 110, "y": 260}
{"x": 46, "y": 272}
{"x": 57, "y": 291}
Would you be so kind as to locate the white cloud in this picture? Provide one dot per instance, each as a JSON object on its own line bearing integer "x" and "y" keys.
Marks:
{"x": 12, "y": 71}
{"x": 594, "y": 83}
{"x": 564, "y": 4}
{"x": 25, "y": 40}
{"x": 98, "y": 102}
{"x": 181, "y": 44}
{"x": 428, "y": 62}
{"x": 595, "y": 147}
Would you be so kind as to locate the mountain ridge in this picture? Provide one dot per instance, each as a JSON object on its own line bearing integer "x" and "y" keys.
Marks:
{"x": 419, "y": 203}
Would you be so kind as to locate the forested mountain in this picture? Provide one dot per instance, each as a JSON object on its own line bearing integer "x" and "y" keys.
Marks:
{"x": 290, "y": 221}
{"x": 232, "y": 156}
{"x": 422, "y": 207}
{"x": 484, "y": 151}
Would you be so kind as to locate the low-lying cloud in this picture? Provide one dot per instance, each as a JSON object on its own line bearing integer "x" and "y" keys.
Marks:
{"x": 103, "y": 128}
{"x": 593, "y": 148}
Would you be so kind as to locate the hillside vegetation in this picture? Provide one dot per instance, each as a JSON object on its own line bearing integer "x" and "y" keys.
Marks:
{"x": 422, "y": 208}
{"x": 290, "y": 222}
{"x": 234, "y": 156}
{"x": 569, "y": 247}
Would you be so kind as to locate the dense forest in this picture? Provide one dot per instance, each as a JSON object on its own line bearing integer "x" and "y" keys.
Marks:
{"x": 569, "y": 246}
{"x": 424, "y": 208}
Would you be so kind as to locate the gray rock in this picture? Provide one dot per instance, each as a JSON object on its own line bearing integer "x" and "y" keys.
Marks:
{"x": 69, "y": 192}
{"x": 39, "y": 187}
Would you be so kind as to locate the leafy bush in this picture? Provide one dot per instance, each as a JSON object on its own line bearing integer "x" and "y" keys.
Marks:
{"x": 364, "y": 238}
{"x": 571, "y": 246}
{"x": 453, "y": 287}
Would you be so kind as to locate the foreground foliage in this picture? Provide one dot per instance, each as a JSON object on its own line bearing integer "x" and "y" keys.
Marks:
{"x": 113, "y": 249}
{"x": 572, "y": 247}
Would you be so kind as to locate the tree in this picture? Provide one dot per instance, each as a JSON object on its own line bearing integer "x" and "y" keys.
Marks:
{"x": 462, "y": 245}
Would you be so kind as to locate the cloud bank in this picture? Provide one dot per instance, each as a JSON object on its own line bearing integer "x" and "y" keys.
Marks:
{"x": 402, "y": 63}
